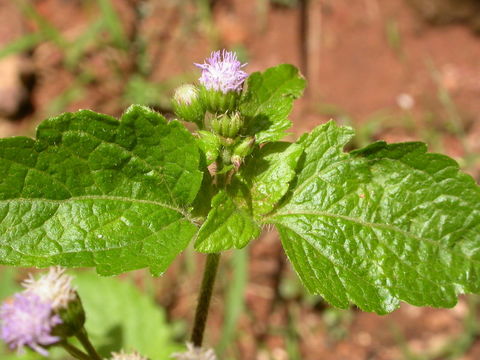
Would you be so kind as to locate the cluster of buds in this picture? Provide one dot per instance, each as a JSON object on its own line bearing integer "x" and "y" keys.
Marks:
{"x": 221, "y": 84}
{"x": 227, "y": 125}
{"x": 213, "y": 106}
{"x": 47, "y": 311}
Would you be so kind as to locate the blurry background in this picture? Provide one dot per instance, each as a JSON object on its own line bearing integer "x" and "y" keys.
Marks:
{"x": 393, "y": 69}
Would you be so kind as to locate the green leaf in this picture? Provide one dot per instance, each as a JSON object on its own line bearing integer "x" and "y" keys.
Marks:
{"x": 385, "y": 224}
{"x": 267, "y": 174}
{"x": 269, "y": 100}
{"x": 119, "y": 317}
{"x": 227, "y": 226}
{"x": 94, "y": 191}
{"x": 209, "y": 143}
{"x": 253, "y": 192}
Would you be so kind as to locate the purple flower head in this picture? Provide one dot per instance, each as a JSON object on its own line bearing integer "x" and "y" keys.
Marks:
{"x": 222, "y": 72}
{"x": 26, "y": 320}
{"x": 195, "y": 353}
{"x": 125, "y": 356}
{"x": 54, "y": 288}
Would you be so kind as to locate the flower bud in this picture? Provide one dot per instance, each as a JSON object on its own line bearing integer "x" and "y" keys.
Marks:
{"x": 236, "y": 161}
{"x": 187, "y": 104}
{"x": 73, "y": 319}
{"x": 227, "y": 125}
{"x": 218, "y": 102}
{"x": 245, "y": 148}
{"x": 226, "y": 156}
{"x": 242, "y": 150}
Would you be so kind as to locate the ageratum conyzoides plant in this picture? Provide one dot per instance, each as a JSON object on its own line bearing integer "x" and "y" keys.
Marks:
{"x": 373, "y": 227}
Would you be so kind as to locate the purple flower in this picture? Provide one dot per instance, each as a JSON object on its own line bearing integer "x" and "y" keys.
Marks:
{"x": 54, "y": 288}
{"x": 26, "y": 320}
{"x": 125, "y": 356}
{"x": 222, "y": 72}
{"x": 195, "y": 353}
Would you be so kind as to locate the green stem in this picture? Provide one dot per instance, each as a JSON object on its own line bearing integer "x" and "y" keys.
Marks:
{"x": 75, "y": 352}
{"x": 85, "y": 341}
{"x": 204, "y": 297}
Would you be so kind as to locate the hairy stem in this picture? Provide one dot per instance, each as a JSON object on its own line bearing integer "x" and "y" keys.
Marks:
{"x": 85, "y": 341}
{"x": 75, "y": 352}
{"x": 204, "y": 297}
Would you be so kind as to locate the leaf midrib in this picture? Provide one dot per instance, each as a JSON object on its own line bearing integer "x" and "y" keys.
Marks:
{"x": 181, "y": 211}
{"x": 361, "y": 222}
{"x": 93, "y": 252}
{"x": 347, "y": 269}
{"x": 155, "y": 168}
{"x": 396, "y": 295}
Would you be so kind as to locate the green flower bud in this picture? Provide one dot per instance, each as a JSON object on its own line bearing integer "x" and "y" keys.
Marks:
{"x": 218, "y": 102}
{"x": 245, "y": 148}
{"x": 227, "y": 125}
{"x": 187, "y": 104}
{"x": 242, "y": 150}
{"x": 236, "y": 161}
{"x": 73, "y": 319}
{"x": 226, "y": 156}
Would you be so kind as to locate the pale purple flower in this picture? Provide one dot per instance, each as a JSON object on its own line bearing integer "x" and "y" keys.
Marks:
{"x": 54, "y": 288}
{"x": 127, "y": 356}
{"x": 222, "y": 71}
{"x": 26, "y": 320}
{"x": 195, "y": 353}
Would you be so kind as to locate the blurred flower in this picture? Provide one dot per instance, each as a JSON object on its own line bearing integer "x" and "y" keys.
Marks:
{"x": 27, "y": 320}
{"x": 123, "y": 356}
{"x": 195, "y": 353}
{"x": 55, "y": 288}
{"x": 405, "y": 101}
{"x": 222, "y": 72}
